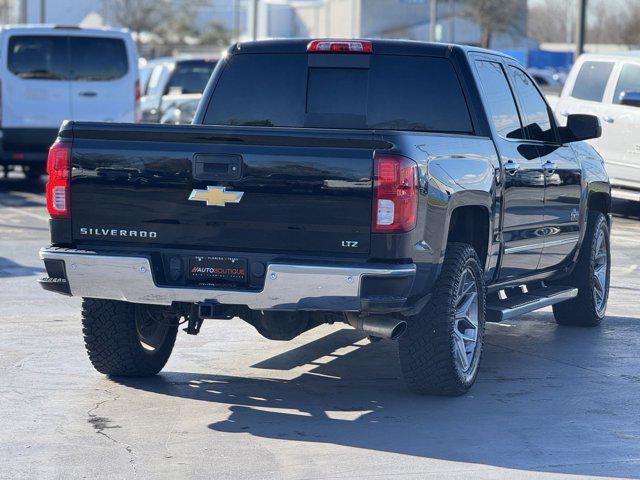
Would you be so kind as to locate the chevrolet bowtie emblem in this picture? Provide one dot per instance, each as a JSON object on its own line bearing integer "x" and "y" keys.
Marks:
{"x": 215, "y": 196}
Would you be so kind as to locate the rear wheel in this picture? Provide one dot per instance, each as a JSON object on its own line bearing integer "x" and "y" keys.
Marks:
{"x": 440, "y": 352}
{"x": 590, "y": 276}
{"x": 33, "y": 173}
{"x": 127, "y": 339}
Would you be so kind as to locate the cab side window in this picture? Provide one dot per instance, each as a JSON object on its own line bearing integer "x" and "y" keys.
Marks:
{"x": 502, "y": 106}
{"x": 534, "y": 109}
{"x": 592, "y": 80}
{"x": 629, "y": 81}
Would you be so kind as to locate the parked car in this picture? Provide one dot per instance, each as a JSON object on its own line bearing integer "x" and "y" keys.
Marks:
{"x": 180, "y": 109}
{"x": 50, "y": 74}
{"x": 549, "y": 80}
{"x": 173, "y": 77}
{"x": 608, "y": 85}
{"x": 144, "y": 71}
{"x": 411, "y": 190}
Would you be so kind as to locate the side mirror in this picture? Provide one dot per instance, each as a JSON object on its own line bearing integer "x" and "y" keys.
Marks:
{"x": 629, "y": 98}
{"x": 580, "y": 127}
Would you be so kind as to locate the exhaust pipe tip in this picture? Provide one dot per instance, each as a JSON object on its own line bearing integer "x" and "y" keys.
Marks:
{"x": 389, "y": 328}
{"x": 398, "y": 330}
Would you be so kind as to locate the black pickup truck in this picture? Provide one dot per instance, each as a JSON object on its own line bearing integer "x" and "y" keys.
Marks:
{"x": 414, "y": 191}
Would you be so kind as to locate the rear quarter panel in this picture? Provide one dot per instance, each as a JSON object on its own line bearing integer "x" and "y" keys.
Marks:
{"x": 455, "y": 171}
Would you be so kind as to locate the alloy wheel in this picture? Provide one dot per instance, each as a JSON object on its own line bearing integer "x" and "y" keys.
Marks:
{"x": 466, "y": 321}
{"x": 600, "y": 271}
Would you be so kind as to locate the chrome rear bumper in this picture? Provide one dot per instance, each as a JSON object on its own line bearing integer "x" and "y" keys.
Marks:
{"x": 286, "y": 287}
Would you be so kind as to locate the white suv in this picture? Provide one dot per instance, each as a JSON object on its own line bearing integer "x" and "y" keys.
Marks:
{"x": 608, "y": 85}
{"x": 49, "y": 74}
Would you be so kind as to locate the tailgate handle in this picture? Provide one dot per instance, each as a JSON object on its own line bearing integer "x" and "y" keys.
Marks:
{"x": 216, "y": 166}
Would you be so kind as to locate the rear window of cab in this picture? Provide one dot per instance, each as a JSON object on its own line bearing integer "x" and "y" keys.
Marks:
{"x": 58, "y": 57}
{"x": 392, "y": 92}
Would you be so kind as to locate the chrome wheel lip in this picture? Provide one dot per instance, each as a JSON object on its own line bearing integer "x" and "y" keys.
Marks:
{"x": 466, "y": 322}
{"x": 600, "y": 271}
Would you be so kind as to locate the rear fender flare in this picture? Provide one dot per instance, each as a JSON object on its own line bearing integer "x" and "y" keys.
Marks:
{"x": 459, "y": 199}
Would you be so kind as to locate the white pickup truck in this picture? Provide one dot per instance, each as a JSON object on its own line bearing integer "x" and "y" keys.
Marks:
{"x": 608, "y": 86}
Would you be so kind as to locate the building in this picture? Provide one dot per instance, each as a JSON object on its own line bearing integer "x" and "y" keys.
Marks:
{"x": 232, "y": 14}
{"x": 407, "y": 19}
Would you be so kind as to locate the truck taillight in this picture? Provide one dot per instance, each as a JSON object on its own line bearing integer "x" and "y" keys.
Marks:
{"x": 136, "y": 103}
{"x": 395, "y": 194}
{"x": 58, "y": 168}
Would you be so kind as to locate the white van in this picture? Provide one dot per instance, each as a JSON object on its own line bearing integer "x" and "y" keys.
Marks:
{"x": 608, "y": 85}
{"x": 49, "y": 74}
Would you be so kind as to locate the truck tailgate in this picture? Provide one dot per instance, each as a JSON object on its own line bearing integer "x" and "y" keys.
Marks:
{"x": 284, "y": 189}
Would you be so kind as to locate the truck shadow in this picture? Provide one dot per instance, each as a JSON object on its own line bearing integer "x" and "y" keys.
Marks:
{"x": 546, "y": 400}
{"x": 9, "y": 268}
{"x": 627, "y": 209}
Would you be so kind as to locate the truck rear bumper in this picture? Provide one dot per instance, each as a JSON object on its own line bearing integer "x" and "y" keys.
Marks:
{"x": 286, "y": 286}
{"x": 25, "y": 146}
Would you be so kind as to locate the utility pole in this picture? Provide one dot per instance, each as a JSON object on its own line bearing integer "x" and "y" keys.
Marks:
{"x": 254, "y": 27}
{"x": 43, "y": 16}
{"x": 580, "y": 27}
{"x": 433, "y": 19}
{"x": 236, "y": 20}
{"x": 452, "y": 21}
{"x": 23, "y": 11}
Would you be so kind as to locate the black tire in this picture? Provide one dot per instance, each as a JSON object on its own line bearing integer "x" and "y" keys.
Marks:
{"x": 115, "y": 332}
{"x": 34, "y": 174}
{"x": 584, "y": 310}
{"x": 427, "y": 350}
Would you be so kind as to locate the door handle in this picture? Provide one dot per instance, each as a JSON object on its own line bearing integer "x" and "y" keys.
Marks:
{"x": 219, "y": 166}
{"x": 608, "y": 119}
{"x": 511, "y": 167}
{"x": 88, "y": 94}
{"x": 549, "y": 167}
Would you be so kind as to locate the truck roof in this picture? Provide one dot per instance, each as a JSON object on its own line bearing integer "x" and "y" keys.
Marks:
{"x": 610, "y": 55}
{"x": 50, "y": 29}
{"x": 381, "y": 46}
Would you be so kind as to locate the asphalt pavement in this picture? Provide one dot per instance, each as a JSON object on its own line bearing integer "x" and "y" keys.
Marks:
{"x": 550, "y": 401}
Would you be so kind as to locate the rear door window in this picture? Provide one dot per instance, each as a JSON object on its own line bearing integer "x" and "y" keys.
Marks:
{"x": 628, "y": 81}
{"x": 592, "y": 80}
{"x": 97, "y": 58}
{"x": 534, "y": 109}
{"x": 391, "y": 93}
{"x": 39, "y": 57}
{"x": 499, "y": 99}
{"x": 190, "y": 76}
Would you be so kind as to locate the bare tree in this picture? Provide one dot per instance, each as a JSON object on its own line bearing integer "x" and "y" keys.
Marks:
{"x": 215, "y": 34}
{"x": 610, "y": 22}
{"x": 495, "y": 16}
{"x": 139, "y": 16}
{"x": 630, "y": 33}
{"x": 548, "y": 20}
{"x": 170, "y": 23}
{"x": 7, "y": 11}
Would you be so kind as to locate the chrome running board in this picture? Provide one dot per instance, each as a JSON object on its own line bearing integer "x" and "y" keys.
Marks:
{"x": 522, "y": 303}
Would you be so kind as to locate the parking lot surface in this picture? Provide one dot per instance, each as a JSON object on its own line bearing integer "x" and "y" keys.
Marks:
{"x": 550, "y": 401}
